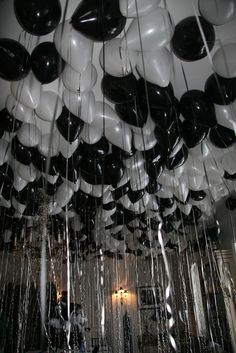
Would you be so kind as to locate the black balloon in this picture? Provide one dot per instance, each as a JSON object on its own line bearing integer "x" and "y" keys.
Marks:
{"x": 14, "y": 60}
{"x": 187, "y": 42}
{"x": 119, "y": 89}
{"x": 173, "y": 136}
{"x": 96, "y": 150}
{"x": 69, "y": 125}
{"x": 193, "y": 133}
{"x": 230, "y": 176}
{"x": 121, "y": 154}
{"x": 165, "y": 116}
{"x": 38, "y": 17}
{"x": 8, "y": 122}
{"x": 113, "y": 170}
{"x": 178, "y": 159}
{"x": 135, "y": 196}
{"x": 109, "y": 206}
{"x": 20, "y": 152}
{"x": 157, "y": 96}
{"x": 68, "y": 167}
{"x": 155, "y": 154}
{"x": 221, "y": 90}
{"x": 195, "y": 106}
{"x": 98, "y": 20}
{"x": 154, "y": 169}
{"x": 153, "y": 186}
{"x": 29, "y": 194}
{"x": 197, "y": 195}
{"x": 132, "y": 113}
{"x": 222, "y": 137}
{"x": 40, "y": 162}
{"x": 121, "y": 191}
{"x": 46, "y": 63}
{"x": 230, "y": 203}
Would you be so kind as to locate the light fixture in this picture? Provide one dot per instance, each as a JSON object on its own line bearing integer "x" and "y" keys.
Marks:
{"x": 121, "y": 294}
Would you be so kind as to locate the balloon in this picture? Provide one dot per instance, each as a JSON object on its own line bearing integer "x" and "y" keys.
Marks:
{"x": 50, "y": 106}
{"x": 119, "y": 89}
{"x": 47, "y": 65}
{"x": 72, "y": 46}
{"x": 113, "y": 170}
{"x": 224, "y": 63}
{"x": 229, "y": 162}
{"x": 154, "y": 169}
{"x": 156, "y": 66}
{"x": 17, "y": 205}
{"x": 225, "y": 115}
{"x": 66, "y": 148}
{"x": 27, "y": 91}
{"x": 68, "y": 167}
{"x": 173, "y": 136}
{"x": 99, "y": 21}
{"x": 145, "y": 142}
{"x": 48, "y": 145}
{"x": 20, "y": 152}
{"x": 220, "y": 90}
{"x": 193, "y": 133}
{"x": 39, "y": 17}
{"x": 132, "y": 113}
{"x": 4, "y": 151}
{"x": 27, "y": 173}
{"x": 123, "y": 154}
{"x": 135, "y": 162}
{"x": 194, "y": 166}
{"x": 19, "y": 183}
{"x": 81, "y": 105}
{"x": 121, "y": 191}
{"x": 104, "y": 116}
{"x": 97, "y": 150}
{"x": 187, "y": 42}
{"x": 230, "y": 203}
{"x": 197, "y": 195}
{"x": 153, "y": 186}
{"x": 138, "y": 8}
{"x": 196, "y": 107}
{"x": 42, "y": 163}
{"x": 8, "y": 122}
{"x": 14, "y": 60}
{"x": 139, "y": 179}
{"x": 115, "y": 60}
{"x": 79, "y": 82}
{"x": 28, "y": 135}
{"x": 222, "y": 137}
{"x": 18, "y": 110}
{"x": 120, "y": 135}
{"x": 69, "y": 125}
{"x": 218, "y": 12}
{"x": 90, "y": 134}
{"x": 158, "y": 97}
{"x": 63, "y": 195}
{"x": 156, "y": 29}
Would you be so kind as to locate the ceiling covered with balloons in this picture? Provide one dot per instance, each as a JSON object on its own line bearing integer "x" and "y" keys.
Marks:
{"x": 117, "y": 120}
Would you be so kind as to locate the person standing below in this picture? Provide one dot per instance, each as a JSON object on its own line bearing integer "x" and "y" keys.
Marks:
{"x": 79, "y": 325}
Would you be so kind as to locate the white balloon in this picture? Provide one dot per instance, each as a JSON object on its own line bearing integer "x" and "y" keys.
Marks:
{"x": 195, "y": 182}
{"x": 225, "y": 115}
{"x": 201, "y": 151}
{"x": 137, "y": 161}
{"x": 67, "y": 148}
{"x": 152, "y": 203}
{"x": 136, "y": 8}
{"x": 19, "y": 207}
{"x": 50, "y": 106}
{"x": 29, "y": 135}
{"x": 224, "y": 60}
{"x": 90, "y": 134}
{"x": 18, "y": 110}
{"x": 229, "y": 162}
{"x": 144, "y": 142}
{"x": 105, "y": 116}
{"x": 52, "y": 179}
{"x": 116, "y": 60}
{"x": 125, "y": 178}
{"x": 147, "y": 129}
{"x": 74, "y": 186}
{"x": 169, "y": 211}
{"x": 8, "y": 136}
{"x": 213, "y": 166}
{"x": 138, "y": 179}
{"x": 218, "y": 12}
{"x": 81, "y": 105}
{"x": 53, "y": 208}
{"x": 156, "y": 66}
{"x": 156, "y": 29}
{"x": 164, "y": 192}
{"x": 19, "y": 183}
{"x": 120, "y": 135}
{"x": 27, "y": 91}
{"x": 27, "y": 172}
{"x": 45, "y": 127}
{"x": 194, "y": 166}
{"x": 181, "y": 192}
{"x": 5, "y": 151}
{"x": 177, "y": 148}
{"x": 94, "y": 190}
{"x": 167, "y": 179}
{"x": 186, "y": 209}
{"x": 5, "y": 203}
{"x": 107, "y": 197}
{"x": 63, "y": 195}
{"x": 73, "y": 47}
{"x": 79, "y": 82}
{"x": 49, "y": 145}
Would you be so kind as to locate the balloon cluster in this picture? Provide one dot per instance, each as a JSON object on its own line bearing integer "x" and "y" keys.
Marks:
{"x": 116, "y": 168}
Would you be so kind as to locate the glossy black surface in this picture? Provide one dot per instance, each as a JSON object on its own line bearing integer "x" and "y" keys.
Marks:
{"x": 221, "y": 90}
{"x": 69, "y": 125}
{"x": 193, "y": 133}
{"x": 119, "y": 90}
{"x": 222, "y": 137}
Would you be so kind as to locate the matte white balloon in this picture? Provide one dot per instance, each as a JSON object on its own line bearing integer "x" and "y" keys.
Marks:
{"x": 156, "y": 67}
{"x": 135, "y": 8}
{"x": 19, "y": 207}
{"x": 229, "y": 162}
{"x": 195, "y": 182}
{"x": 116, "y": 60}
{"x": 19, "y": 110}
{"x": 5, "y": 151}
{"x": 79, "y": 82}
{"x": 52, "y": 179}
{"x": 125, "y": 178}
{"x": 139, "y": 180}
{"x": 50, "y": 106}
{"x": 120, "y": 135}
{"x": 156, "y": 29}
{"x": 152, "y": 203}
{"x": 63, "y": 195}
{"x": 213, "y": 167}
{"x": 45, "y": 127}
{"x": 74, "y": 186}
{"x": 164, "y": 192}
{"x": 94, "y": 190}
{"x": 225, "y": 115}
{"x": 90, "y": 134}
{"x": 49, "y": 145}
{"x": 181, "y": 192}
{"x": 167, "y": 179}
{"x": 135, "y": 162}
{"x": 67, "y": 148}
{"x": 201, "y": 151}
{"x": 27, "y": 172}
{"x": 73, "y": 47}
{"x": 27, "y": 91}
{"x": 224, "y": 60}
{"x": 29, "y": 135}
{"x": 218, "y": 12}
{"x": 19, "y": 183}
{"x": 105, "y": 116}
{"x": 81, "y": 105}
{"x": 194, "y": 166}
{"x": 144, "y": 142}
